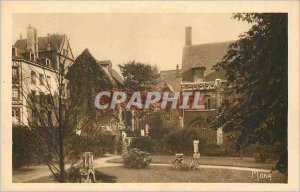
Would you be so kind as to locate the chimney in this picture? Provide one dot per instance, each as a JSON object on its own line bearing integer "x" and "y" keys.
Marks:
{"x": 188, "y": 36}
{"x": 32, "y": 40}
{"x": 177, "y": 69}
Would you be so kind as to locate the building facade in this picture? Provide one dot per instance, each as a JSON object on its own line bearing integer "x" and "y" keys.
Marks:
{"x": 197, "y": 74}
{"x": 36, "y": 62}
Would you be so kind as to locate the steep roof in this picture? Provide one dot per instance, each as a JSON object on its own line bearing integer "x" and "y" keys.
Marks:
{"x": 117, "y": 76}
{"x": 171, "y": 78}
{"x": 106, "y": 65}
{"x": 55, "y": 41}
{"x": 215, "y": 75}
{"x": 205, "y": 55}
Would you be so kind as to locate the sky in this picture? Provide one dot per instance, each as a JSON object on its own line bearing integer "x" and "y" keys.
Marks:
{"x": 155, "y": 39}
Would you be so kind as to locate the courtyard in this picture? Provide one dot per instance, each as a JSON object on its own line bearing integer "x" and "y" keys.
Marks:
{"x": 212, "y": 170}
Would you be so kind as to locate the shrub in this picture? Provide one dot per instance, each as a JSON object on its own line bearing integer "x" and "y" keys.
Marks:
{"x": 23, "y": 145}
{"x": 99, "y": 143}
{"x": 265, "y": 152}
{"x": 143, "y": 143}
{"x": 182, "y": 141}
{"x": 136, "y": 159}
{"x": 191, "y": 165}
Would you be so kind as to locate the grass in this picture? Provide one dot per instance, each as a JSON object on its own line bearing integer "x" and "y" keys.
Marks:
{"x": 100, "y": 177}
{"x": 224, "y": 161}
{"x": 164, "y": 174}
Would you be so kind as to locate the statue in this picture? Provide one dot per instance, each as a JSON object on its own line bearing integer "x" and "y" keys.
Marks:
{"x": 147, "y": 130}
{"x": 87, "y": 172}
{"x": 196, "y": 149}
{"x": 124, "y": 135}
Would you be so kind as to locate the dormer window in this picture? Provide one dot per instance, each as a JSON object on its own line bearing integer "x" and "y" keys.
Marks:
{"x": 48, "y": 62}
{"x": 31, "y": 56}
{"x": 14, "y": 52}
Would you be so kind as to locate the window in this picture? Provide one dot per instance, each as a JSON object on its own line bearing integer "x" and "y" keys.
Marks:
{"x": 16, "y": 116}
{"x": 33, "y": 77}
{"x": 41, "y": 77}
{"x": 65, "y": 52}
{"x": 33, "y": 114}
{"x": 49, "y": 81}
{"x": 32, "y": 57}
{"x": 15, "y": 74}
{"x": 14, "y": 52}
{"x": 49, "y": 117}
{"x": 48, "y": 99}
{"x": 48, "y": 62}
{"x": 42, "y": 98}
{"x": 15, "y": 94}
{"x": 208, "y": 103}
{"x": 33, "y": 96}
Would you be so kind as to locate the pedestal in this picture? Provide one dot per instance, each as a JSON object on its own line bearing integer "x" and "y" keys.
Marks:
{"x": 196, "y": 155}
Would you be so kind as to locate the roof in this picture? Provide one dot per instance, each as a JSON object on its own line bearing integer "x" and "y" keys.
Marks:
{"x": 111, "y": 73}
{"x": 215, "y": 75}
{"x": 204, "y": 55}
{"x": 171, "y": 78}
{"x": 55, "y": 41}
{"x": 117, "y": 76}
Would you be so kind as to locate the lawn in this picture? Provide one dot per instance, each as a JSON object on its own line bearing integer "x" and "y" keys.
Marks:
{"x": 165, "y": 174}
{"x": 224, "y": 161}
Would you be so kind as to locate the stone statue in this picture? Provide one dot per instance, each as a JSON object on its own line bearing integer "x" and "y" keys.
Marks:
{"x": 196, "y": 149}
{"x": 124, "y": 135}
{"x": 147, "y": 129}
{"x": 87, "y": 172}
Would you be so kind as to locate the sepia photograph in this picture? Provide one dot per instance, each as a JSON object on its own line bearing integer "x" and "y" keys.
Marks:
{"x": 150, "y": 97}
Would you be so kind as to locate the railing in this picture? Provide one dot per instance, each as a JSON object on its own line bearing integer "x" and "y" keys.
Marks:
{"x": 209, "y": 85}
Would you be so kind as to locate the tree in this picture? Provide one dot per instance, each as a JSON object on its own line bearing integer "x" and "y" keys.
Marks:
{"x": 256, "y": 69}
{"x": 57, "y": 112}
{"x": 48, "y": 122}
{"x": 139, "y": 76}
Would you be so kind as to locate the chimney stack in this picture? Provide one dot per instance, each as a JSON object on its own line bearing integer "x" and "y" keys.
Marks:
{"x": 32, "y": 40}
{"x": 188, "y": 36}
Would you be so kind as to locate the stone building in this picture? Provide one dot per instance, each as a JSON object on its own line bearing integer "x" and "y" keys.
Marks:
{"x": 36, "y": 62}
{"x": 197, "y": 74}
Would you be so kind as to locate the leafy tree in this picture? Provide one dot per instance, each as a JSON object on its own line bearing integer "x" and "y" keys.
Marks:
{"x": 256, "y": 68}
{"x": 139, "y": 76}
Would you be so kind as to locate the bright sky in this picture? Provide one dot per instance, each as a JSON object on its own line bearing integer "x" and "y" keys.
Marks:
{"x": 156, "y": 39}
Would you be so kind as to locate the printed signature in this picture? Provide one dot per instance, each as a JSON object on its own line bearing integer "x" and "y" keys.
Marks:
{"x": 261, "y": 175}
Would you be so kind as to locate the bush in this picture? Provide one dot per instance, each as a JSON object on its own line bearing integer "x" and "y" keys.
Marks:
{"x": 213, "y": 149}
{"x": 99, "y": 143}
{"x": 136, "y": 159}
{"x": 143, "y": 143}
{"x": 23, "y": 145}
{"x": 265, "y": 152}
{"x": 182, "y": 141}
{"x": 191, "y": 165}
